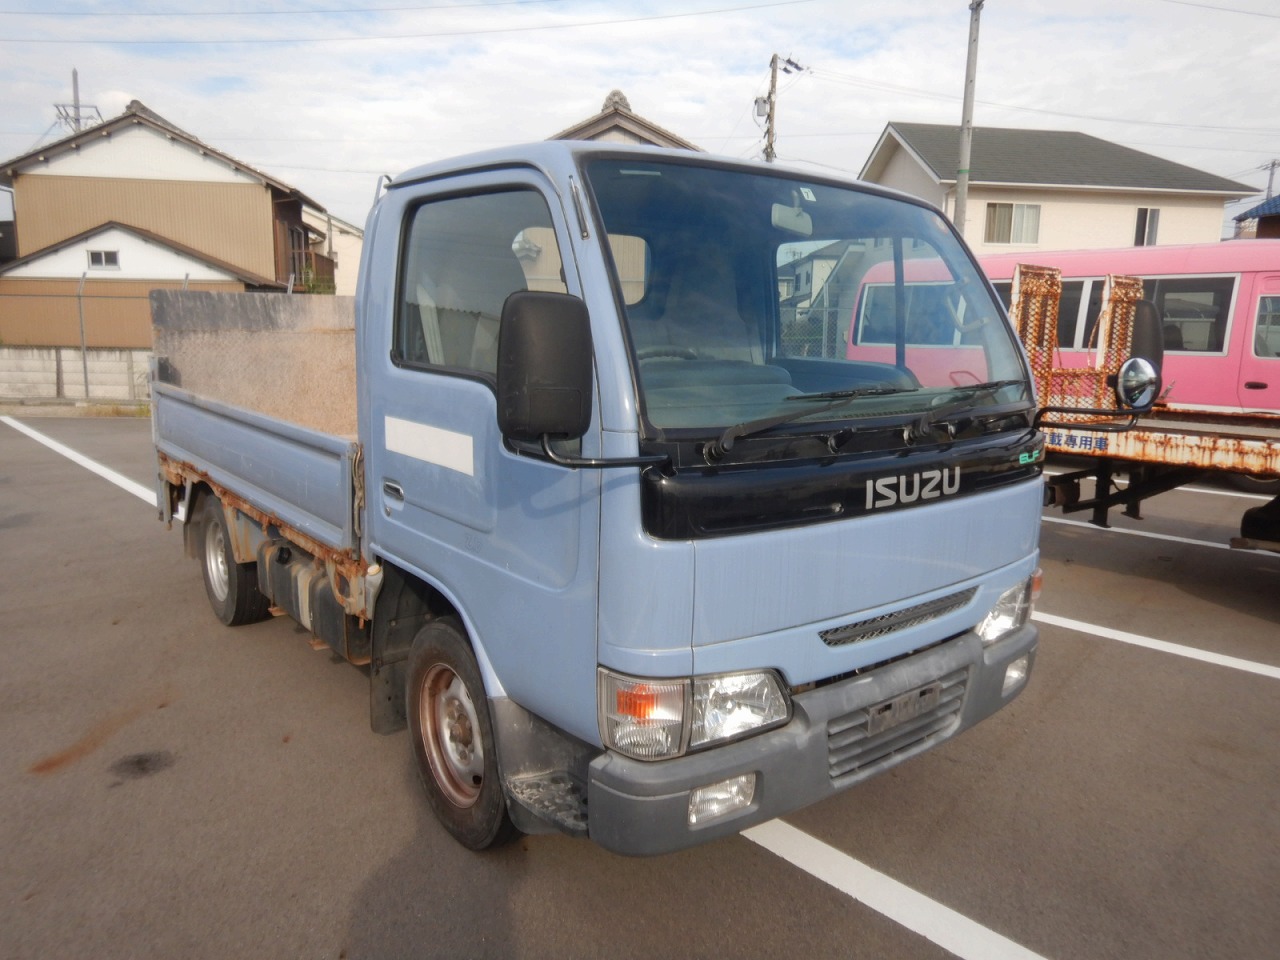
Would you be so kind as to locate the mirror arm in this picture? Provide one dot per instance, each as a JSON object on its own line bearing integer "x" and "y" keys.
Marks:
{"x": 653, "y": 460}
{"x": 1131, "y": 415}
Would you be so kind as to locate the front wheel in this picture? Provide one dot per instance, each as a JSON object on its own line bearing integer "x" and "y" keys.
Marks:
{"x": 452, "y": 737}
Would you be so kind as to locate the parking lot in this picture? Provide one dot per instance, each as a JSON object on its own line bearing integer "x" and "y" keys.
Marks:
{"x": 172, "y": 787}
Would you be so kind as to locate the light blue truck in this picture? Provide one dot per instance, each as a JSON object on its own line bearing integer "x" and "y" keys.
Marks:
{"x": 587, "y": 480}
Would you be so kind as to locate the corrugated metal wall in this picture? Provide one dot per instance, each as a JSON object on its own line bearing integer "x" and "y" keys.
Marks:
{"x": 117, "y": 313}
{"x": 229, "y": 221}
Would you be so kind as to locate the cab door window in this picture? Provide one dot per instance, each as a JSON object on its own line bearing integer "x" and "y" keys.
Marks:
{"x": 462, "y": 257}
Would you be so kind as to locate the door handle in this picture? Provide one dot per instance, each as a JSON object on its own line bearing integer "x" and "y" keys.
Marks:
{"x": 393, "y": 489}
{"x": 1254, "y": 385}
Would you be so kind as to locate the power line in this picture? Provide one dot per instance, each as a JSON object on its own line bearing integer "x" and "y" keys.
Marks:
{"x": 415, "y": 8}
{"x": 935, "y": 95}
{"x": 410, "y": 36}
{"x": 1209, "y": 6}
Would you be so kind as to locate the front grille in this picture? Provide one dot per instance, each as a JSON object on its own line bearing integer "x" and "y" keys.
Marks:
{"x": 853, "y": 749}
{"x": 898, "y": 620}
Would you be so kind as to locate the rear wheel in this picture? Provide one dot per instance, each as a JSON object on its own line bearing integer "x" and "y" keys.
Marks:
{"x": 1254, "y": 483}
{"x": 452, "y": 737}
{"x": 232, "y": 587}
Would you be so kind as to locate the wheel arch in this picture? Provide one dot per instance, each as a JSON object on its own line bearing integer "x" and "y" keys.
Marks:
{"x": 408, "y": 599}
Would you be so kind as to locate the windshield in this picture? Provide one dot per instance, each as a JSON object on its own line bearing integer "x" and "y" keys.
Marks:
{"x": 747, "y": 291}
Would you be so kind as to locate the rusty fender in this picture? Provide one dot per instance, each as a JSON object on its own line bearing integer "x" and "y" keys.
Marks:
{"x": 354, "y": 584}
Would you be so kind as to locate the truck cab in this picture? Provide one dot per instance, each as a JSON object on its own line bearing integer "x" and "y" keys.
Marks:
{"x": 754, "y": 576}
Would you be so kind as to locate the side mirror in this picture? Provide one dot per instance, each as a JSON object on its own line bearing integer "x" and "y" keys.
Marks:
{"x": 1137, "y": 383}
{"x": 544, "y": 366}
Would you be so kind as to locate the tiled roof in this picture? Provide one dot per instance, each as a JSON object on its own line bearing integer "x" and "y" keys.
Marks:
{"x": 138, "y": 113}
{"x": 1268, "y": 208}
{"x": 1053, "y": 158}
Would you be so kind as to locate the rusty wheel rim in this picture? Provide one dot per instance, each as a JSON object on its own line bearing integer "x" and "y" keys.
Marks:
{"x": 451, "y": 735}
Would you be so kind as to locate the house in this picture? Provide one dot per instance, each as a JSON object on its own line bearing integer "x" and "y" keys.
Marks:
{"x": 1053, "y": 189}
{"x": 332, "y": 239}
{"x": 1267, "y": 215}
{"x": 616, "y": 123}
{"x": 135, "y": 203}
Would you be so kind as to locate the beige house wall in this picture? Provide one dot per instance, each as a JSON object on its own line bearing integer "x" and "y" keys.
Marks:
{"x": 231, "y": 222}
{"x": 1096, "y": 220}
{"x": 904, "y": 173}
{"x": 117, "y": 313}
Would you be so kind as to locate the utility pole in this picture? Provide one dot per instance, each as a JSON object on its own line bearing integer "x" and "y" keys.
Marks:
{"x": 966, "y": 120}
{"x": 767, "y": 106}
{"x": 1271, "y": 174}
{"x": 73, "y": 115}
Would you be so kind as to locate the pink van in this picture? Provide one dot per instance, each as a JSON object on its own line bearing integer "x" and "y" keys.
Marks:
{"x": 1220, "y": 305}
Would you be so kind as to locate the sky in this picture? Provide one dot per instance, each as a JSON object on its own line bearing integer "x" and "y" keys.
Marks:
{"x": 329, "y": 95}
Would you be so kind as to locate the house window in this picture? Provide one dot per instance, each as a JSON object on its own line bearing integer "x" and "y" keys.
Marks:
{"x": 104, "y": 259}
{"x": 1013, "y": 223}
{"x": 1144, "y": 233}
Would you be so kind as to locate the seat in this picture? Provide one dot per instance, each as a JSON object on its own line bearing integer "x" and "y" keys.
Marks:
{"x": 701, "y": 314}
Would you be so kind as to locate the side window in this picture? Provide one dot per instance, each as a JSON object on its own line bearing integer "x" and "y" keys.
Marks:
{"x": 462, "y": 257}
{"x": 1068, "y": 307}
{"x": 1193, "y": 311}
{"x": 1266, "y": 339}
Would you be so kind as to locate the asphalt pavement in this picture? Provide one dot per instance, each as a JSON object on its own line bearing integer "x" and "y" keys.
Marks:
{"x": 171, "y": 787}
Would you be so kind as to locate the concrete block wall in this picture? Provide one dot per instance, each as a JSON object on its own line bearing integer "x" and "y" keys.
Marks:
{"x": 57, "y": 373}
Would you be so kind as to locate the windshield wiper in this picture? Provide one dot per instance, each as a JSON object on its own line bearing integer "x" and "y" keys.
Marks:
{"x": 854, "y": 392}
{"x": 923, "y": 426}
{"x": 716, "y": 449}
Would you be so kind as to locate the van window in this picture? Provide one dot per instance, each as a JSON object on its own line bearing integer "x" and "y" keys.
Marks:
{"x": 1266, "y": 340}
{"x": 1193, "y": 310}
{"x": 1068, "y": 308}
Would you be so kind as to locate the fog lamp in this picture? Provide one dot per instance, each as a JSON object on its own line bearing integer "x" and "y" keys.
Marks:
{"x": 1015, "y": 675}
{"x": 721, "y": 799}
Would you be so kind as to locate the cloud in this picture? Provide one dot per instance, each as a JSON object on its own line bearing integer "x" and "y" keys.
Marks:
{"x": 327, "y": 107}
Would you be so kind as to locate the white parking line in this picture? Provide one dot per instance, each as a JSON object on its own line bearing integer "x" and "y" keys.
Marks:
{"x": 119, "y": 479}
{"x": 1138, "y": 533}
{"x": 1177, "y": 649}
{"x": 928, "y": 918}
{"x": 1196, "y": 488}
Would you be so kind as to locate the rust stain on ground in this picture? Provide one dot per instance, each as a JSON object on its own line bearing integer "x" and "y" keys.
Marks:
{"x": 103, "y": 731}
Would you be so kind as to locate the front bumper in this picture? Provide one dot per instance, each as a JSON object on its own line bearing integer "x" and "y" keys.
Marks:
{"x": 642, "y": 808}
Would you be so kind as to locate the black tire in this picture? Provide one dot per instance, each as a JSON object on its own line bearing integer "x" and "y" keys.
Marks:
{"x": 232, "y": 587}
{"x": 1253, "y": 483}
{"x": 452, "y": 737}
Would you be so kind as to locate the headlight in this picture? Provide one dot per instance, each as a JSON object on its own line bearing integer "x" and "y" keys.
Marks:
{"x": 1010, "y": 612}
{"x": 657, "y": 719}
{"x": 730, "y": 706}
